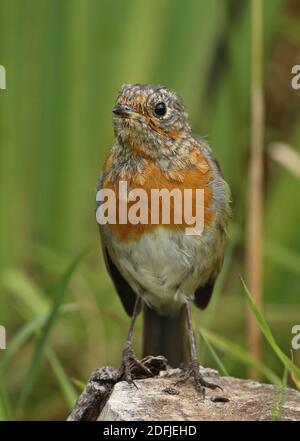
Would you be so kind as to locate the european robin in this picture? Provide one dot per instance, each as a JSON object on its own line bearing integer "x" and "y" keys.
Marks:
{"x": 157, "y": 265}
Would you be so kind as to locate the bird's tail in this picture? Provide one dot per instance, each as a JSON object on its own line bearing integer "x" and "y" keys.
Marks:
{"x": 163, "y": 335}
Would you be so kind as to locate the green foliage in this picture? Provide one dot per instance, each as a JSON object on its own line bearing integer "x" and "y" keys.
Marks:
{"x": 215, "y": 356}
{"x": 58, "y": 296}
{"x": 5, "y": 406}
{"x": 264, "y": 327}
{"x": 279, "y": 398}
{"x": 239, "y": 354}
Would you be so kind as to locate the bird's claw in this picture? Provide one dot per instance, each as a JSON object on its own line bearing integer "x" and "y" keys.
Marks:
{"x": 193, "y": 369}
{"x": 131, "y": 367}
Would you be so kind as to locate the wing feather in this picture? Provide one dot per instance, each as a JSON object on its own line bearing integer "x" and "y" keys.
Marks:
{"x": 124, "y": 290}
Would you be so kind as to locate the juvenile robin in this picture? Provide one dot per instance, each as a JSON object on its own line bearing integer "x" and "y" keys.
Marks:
{"x": 158, "y": 266}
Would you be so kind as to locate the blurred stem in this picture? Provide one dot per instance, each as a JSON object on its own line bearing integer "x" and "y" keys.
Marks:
{"x": 286, "y": 156}
{"x": 255, "y": 197}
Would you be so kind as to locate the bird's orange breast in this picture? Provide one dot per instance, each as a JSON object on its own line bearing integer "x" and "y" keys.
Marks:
{"x": 196, "y": 176}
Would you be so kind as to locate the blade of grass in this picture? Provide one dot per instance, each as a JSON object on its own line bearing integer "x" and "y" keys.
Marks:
{"x": 279, "y": 398}
{"x": 58, "y": 296}
{"x": 5, "y": 407}
{"x": 275, "y": 403}
{"x": 264, "y": 327}
{"x": 283, "y": 393}
{"x": 79, "y": 384}
{"x": 215, "y": 356}
{"x": 65, "y": 384}
{"x": 20, "y": 284}
{"x": 294, "y": 379}
{"x": 24, "y": 333}
{"x": 19, "y": 339}
{"x": 240, "y": 354}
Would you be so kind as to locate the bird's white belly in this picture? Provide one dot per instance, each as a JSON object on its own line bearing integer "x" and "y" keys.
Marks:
{"x": 165, "y": 267}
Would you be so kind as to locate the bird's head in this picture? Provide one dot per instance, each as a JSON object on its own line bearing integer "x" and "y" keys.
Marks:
{"x": 150, "y": 115}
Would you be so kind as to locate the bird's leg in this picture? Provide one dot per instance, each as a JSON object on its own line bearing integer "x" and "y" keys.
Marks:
{"x": 194, "y": 367}
{"x": 131, "y": 366}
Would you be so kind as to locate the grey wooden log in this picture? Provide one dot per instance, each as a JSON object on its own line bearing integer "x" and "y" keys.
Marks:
{"x": 160, "y": 399}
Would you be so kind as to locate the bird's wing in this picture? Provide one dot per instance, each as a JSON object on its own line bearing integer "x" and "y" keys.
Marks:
{"x": 203, "y": 145}
{"x": 203, "y": 294}
{"x": 124, "y": 290}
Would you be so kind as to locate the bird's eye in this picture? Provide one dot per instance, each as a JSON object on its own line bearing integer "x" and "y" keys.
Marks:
{"x": 160, "y": 109}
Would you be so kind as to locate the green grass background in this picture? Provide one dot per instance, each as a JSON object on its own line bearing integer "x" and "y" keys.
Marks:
{"x": 65, "y": 62}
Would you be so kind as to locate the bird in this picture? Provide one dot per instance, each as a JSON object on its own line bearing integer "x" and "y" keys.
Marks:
{"x": 158, "y": 267}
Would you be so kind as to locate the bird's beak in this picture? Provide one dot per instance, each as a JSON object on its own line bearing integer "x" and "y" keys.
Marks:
{"x": 124, "y": 111}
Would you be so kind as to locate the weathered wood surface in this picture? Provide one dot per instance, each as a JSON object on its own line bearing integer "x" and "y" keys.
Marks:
{"x": 101, "y": 383}
{"x": 159, "y": 399}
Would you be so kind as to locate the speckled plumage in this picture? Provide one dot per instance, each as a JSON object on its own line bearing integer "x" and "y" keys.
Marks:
{"x": 162, "y": 265}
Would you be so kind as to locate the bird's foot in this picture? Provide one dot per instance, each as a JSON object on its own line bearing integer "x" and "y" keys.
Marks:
{"x": 132, "y": 368}
{"x": 193, "y": 370}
